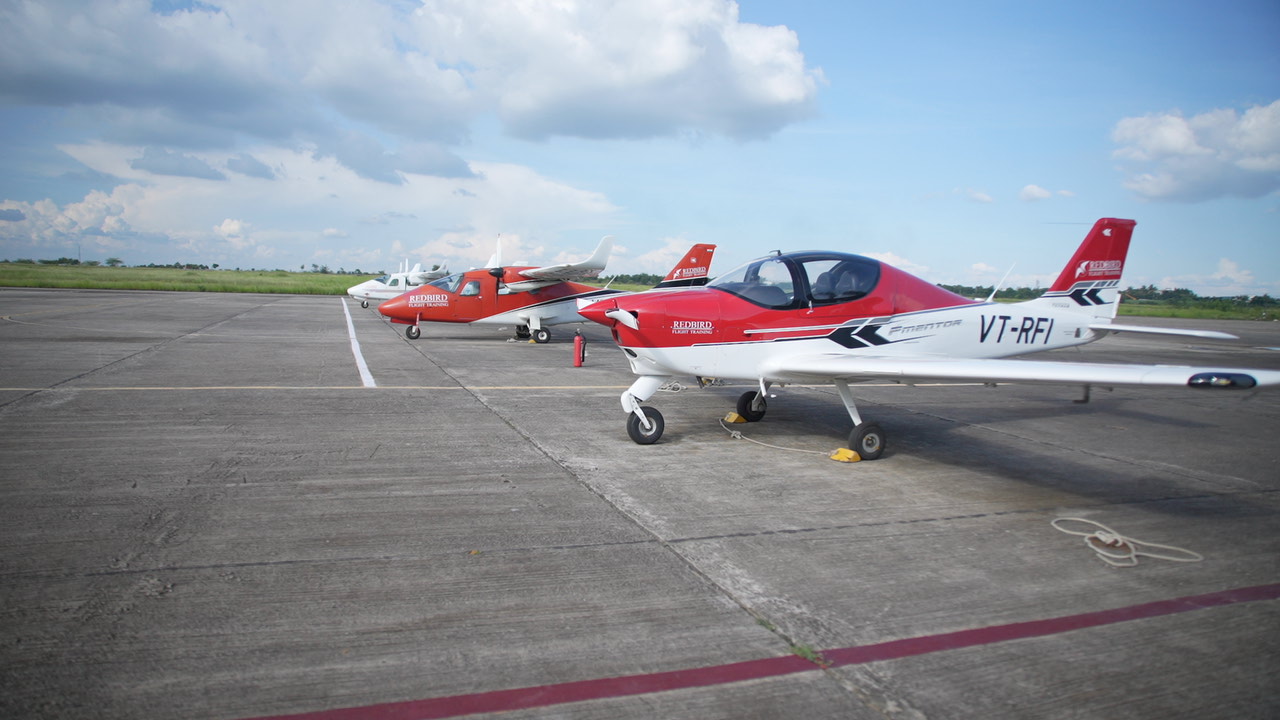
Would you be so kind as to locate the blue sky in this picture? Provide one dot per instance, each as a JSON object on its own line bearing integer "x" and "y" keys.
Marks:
{"x": 955, "y": 141}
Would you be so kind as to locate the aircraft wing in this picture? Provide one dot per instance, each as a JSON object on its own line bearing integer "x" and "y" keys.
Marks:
{"x": 919, "y": 370}
{"x": 588, "y": 268}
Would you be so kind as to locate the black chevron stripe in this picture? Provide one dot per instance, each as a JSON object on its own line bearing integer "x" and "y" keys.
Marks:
{"x": 865, "y": 336}
{"x": 1088, "y": 297}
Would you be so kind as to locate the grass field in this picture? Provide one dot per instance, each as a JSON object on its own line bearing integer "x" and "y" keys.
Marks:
{"x": 137, "y": 278}
{"x": 304, "y": 283}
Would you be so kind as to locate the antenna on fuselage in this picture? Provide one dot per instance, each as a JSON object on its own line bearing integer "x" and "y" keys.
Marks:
{"x": 999, "y": 285}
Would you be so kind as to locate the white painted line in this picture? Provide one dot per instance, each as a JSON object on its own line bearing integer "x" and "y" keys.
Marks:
{"x": 365, "y": 376}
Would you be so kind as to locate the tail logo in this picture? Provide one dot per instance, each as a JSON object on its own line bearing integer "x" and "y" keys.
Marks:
{"x": 682, "y": 273}
{"x": 1099, "y": 268}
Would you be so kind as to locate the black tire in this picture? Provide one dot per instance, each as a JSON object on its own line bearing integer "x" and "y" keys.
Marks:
{"x": 637, "y": 431}
{"x": 541, "y": 335}
{"x": 413, "y": 332}
{"x": 522, "y": 332}
{"x": 745, "y": 401}
{"x": 364, "y": 304}
{"x": 867, "y": 440}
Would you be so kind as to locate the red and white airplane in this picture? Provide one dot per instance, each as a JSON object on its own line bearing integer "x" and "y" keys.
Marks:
{"x": 530, "y": 298}
{"x": 817, "y": 317}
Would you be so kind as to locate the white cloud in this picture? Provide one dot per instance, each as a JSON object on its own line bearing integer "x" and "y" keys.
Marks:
{"x": 241, "y": 219}
{"x": 1215, "y": 154}
{"x": 1228, "y": 280}
{"x": 622, "y": 69}
{"x": 235, "y": 233}
{"x": 920, "y": 271}
{"x": 300, "y": 116}
{"x": 385, "y": 87}
{"x": 975, "y": 195}
{"x": 1031, "y": 193}
{"x": 658, "y": 261}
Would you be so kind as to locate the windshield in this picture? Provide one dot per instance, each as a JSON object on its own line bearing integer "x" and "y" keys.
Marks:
{"x": 801, "y": 279}
{"x": 766, "y": 282}
{"x": 448, "y": 284}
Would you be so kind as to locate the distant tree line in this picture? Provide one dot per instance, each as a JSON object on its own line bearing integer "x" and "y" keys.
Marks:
{"x": 635, "y": 279}
{"x": 1178, "y": 297}
{"x": 117, "y": 262}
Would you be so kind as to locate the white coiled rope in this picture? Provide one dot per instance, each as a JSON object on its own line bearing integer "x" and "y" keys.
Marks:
{"x": 1120, "y": 551}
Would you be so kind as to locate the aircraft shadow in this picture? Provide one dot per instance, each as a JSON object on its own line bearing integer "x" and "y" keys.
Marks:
{"x": 1097, "y": 464}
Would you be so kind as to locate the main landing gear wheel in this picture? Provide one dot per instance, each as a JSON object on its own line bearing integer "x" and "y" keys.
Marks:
{"x": 751, "y": 406}
{"x": 364, "y": 304}
{"x": 637, "y": 432}
{"x": 867, "y": 439}
{"x": 541, "y": 335}
{"x": 522, "y": 332}
{"x": 413, "y": 332}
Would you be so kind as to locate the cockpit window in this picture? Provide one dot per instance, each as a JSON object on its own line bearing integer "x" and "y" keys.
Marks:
{"x": 449, "y": 283}
{"x": 471, "y": 289}
{"x": 802, "y": 279}
{"x": 837, "y": 279}
{"x": 381, "y": 279}
{"x": 395, "y": 282}
{"x": 767, "y": 282}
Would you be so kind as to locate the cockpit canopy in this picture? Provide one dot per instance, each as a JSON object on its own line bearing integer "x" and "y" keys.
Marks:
{"x": 801, "y": 279}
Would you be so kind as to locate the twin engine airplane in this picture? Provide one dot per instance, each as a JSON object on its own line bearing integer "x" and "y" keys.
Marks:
{"x": 385, "y": 287}
{"x": 531, "y": 298}
{"x": 819, "y": 317}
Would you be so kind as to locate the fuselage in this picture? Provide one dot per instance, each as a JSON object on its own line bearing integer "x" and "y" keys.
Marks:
{"x": 478, "y": 296}
{"x": 382, "y": 288}
{"x": 743, "y": 324}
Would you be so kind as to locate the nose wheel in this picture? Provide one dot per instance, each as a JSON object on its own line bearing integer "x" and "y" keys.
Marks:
{"x": 639, "y": 433}
{"x": 413, "y": 332}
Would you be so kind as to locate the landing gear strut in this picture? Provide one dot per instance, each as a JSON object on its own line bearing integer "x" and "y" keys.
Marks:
{"x": 867, "y": 439}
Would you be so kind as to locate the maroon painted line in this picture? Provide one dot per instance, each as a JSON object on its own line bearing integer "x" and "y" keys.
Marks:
{"x": 531, "y": 697}
{"x": 541, "y": 696}
{"x": 1038, "y": 628}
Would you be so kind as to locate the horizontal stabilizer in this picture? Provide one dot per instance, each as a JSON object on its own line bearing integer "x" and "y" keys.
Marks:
{"x": 1207, "y": 334}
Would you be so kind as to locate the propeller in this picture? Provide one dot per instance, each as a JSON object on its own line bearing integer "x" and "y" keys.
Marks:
{"x": 623, "y": 317}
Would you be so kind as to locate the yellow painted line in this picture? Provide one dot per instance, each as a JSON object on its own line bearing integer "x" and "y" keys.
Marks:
{"x": 143, "y": 388}
{"x": 140, "y": 388}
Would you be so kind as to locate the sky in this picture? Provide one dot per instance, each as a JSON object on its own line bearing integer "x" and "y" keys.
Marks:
{"x": 957, "y": 141}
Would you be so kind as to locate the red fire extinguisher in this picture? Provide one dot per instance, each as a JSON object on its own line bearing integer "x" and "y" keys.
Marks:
{"x": 579, "y": 348}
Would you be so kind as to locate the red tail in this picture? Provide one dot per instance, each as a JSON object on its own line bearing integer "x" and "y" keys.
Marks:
{"x": 1100, "y": 257}
{"x": 693, "y": 268}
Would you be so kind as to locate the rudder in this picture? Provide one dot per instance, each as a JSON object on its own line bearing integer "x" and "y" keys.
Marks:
{"x": 1090, "y": 282}
{"x": 692, "y": 270}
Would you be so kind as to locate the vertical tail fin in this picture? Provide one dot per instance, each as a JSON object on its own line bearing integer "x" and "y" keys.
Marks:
{"x": 1090, "y": 283}
{"x": 693, "y": 269}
